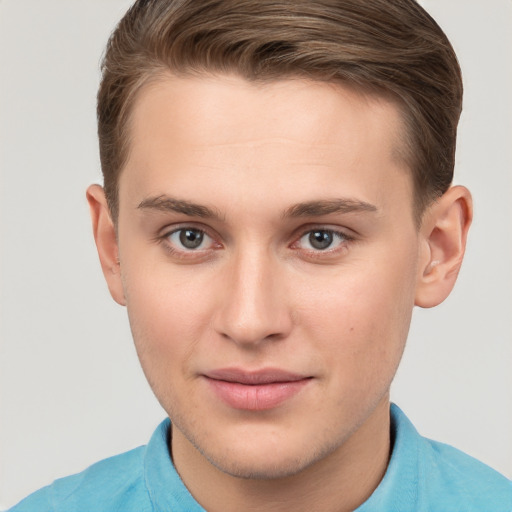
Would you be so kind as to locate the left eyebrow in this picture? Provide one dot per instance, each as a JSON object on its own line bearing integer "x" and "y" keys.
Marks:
{"x": 165, "y": 203}
{"x": 329, "y": 206}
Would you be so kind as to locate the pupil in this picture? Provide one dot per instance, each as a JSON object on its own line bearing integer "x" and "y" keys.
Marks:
{"x": 190, "y": 238}
{"x": 320, "y": 239}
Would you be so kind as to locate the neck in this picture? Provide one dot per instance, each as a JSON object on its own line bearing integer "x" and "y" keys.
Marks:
{"x": 340, "y": 482}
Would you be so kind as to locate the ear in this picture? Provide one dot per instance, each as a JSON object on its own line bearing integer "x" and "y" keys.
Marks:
{"x": 106, "y": 241}
{"x": 444, "y": 231}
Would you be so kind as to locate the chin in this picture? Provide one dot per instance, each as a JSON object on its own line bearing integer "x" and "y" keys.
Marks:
{"x": 259, "y": 469}
{"x": 266, "y": 461}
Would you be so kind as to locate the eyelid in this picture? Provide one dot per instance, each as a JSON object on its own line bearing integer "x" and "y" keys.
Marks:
{"x": 173, "y": 228}
{"x": 346, "y": 234}
{"x": 165, "y": 233}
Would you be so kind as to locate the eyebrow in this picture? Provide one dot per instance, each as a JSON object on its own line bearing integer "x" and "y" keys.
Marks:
{"x": 165, "y": 203}
{"x": 327, "y": 207}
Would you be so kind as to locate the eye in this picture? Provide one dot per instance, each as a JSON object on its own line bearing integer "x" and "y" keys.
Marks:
{"x": 189, "y": 239}
{"x": 321, "y": 240}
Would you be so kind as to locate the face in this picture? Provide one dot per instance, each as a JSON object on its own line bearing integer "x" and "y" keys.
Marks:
{"x": 268, "y": 260}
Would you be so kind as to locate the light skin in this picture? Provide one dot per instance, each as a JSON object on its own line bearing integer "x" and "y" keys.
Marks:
{"x": 268, "y": 229}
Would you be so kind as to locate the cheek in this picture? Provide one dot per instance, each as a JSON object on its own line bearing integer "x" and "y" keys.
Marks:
{"x": 166, "y": 327}
{"x": 361, "y": 319}
{"x": 167, "y": 312}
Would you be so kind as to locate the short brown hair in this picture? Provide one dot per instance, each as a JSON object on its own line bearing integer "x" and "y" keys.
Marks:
{"x": 390, "y": 47}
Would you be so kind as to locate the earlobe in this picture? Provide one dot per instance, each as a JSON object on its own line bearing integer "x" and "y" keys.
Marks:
{"x": 106, "y": 241}
{"x": 444, "y": 232}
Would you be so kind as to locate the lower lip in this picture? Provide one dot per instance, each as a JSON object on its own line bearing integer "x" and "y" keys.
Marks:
{"x": 256, "y": 397}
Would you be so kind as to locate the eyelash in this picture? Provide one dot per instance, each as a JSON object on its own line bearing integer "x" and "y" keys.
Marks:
{"x": 184, "y": 253}
{"x": 343, "y": 237}
{"x": 329, "y": 254}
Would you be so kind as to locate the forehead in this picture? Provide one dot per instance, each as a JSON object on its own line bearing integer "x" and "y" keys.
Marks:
{"x": 294, "y": 136}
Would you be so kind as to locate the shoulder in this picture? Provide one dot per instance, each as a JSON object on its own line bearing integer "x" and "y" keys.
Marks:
{"x": 116, "y": 483}
{"x": 441, "y": 477}
{"x": 454, "y": 478}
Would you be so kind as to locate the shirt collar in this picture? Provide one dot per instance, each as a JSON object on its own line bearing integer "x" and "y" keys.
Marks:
{"x": 398, "y": 490}
{"x": 165, "y": 487}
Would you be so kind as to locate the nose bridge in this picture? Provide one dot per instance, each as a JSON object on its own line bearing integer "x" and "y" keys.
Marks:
{"x": 254, "y": 307}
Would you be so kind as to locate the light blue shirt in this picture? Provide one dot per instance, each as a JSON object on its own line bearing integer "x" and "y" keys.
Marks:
{"x": 422, "y": 476}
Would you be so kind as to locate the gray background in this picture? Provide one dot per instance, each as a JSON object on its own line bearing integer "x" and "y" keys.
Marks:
{"x": 71, "y": 390}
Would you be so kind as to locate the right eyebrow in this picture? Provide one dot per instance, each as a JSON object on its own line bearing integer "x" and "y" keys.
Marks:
{"x": 328, "y": 207}
{"x": 164, "y": 203}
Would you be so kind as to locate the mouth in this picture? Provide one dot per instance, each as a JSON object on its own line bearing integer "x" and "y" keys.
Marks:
{"x": 255, "y": 390}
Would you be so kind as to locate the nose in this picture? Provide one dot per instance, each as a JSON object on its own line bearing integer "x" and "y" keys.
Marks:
{"x": 253, "y": 306}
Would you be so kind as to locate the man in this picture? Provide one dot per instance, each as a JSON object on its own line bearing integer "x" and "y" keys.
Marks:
{"x": 276, "y": 200}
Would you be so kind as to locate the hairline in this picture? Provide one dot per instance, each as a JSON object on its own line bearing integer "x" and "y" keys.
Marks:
{"x": 159, "y": 73}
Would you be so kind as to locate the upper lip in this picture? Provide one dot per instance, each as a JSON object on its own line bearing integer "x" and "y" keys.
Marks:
{"x": 254, "y": 377}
